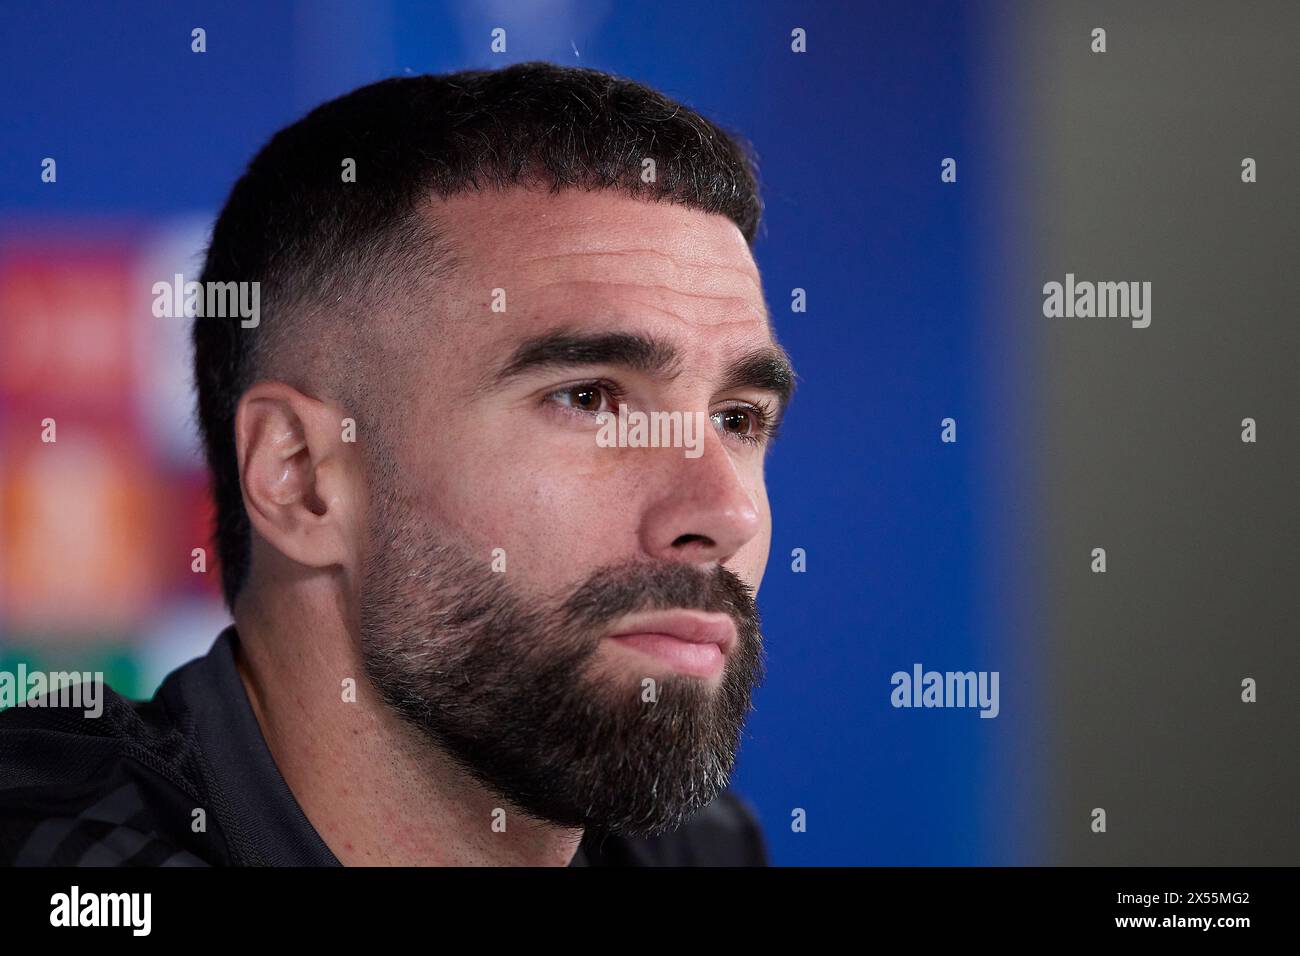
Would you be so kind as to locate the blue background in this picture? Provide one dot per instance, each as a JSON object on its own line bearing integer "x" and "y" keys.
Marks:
{"x": 901, "y": 330}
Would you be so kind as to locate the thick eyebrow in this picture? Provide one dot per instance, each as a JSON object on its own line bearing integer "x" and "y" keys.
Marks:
{"x": 767, "y": 368}
{"x": 566, "y": 348}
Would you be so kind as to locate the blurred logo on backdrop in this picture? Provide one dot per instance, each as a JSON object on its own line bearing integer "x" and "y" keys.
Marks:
{"x": 102, "y": 489}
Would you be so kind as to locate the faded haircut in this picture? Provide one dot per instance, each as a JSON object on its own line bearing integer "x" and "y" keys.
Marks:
{"x": 324, "y": 250}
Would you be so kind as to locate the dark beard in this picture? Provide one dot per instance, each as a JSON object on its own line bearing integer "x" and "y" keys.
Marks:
{"x": 506, "y": 686}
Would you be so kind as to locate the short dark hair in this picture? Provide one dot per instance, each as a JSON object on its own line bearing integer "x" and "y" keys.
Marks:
{"x": 311, "y": 240}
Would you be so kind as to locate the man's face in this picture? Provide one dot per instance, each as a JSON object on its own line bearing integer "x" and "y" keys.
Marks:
{"x": 574, "y": 622}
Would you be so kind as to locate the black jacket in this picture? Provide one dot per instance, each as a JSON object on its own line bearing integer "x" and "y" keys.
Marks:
{"x": 123, "y": 788}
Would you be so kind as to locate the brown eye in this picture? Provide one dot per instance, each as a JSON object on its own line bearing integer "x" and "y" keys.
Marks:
{"x": 736, "y": 421}
{"x": 588, "y": 398}
{"x": 748, "y": 424}
{"x": 585, "y": 398}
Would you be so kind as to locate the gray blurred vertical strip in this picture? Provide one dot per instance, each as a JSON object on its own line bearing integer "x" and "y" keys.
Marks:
{"x": 1138, "y": 178}
{"x": 1009, "y": 479}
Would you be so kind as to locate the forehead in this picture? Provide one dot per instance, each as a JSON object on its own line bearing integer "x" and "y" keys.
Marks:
{"x": 600, "y": 260}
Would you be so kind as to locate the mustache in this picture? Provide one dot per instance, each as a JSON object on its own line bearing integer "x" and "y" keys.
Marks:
{"x": 613, "y": 592}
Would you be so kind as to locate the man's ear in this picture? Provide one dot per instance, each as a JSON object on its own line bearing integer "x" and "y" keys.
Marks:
{"x": 299, "y": 478}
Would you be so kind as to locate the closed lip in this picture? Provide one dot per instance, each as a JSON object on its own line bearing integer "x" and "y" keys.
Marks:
{"x": 695, "y": 627}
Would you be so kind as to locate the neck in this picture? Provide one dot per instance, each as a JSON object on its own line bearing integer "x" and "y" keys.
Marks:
{"x": 377, "y": 790}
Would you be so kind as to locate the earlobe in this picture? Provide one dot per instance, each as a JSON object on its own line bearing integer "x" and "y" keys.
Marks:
{"x": 289, "y": 462}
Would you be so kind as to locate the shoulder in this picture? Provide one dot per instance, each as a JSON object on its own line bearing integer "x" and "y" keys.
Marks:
{"x": 112, "y": 785}
{"x": 725, "y": 833}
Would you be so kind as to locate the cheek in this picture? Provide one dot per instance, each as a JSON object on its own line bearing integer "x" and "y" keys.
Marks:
{"x": 560, "y": 507}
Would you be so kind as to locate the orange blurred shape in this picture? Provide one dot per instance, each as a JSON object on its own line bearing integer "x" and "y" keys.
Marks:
{"x": 80, "y": 534}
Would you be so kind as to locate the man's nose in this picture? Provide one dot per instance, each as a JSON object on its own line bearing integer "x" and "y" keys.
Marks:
{"x": 703, "y": 512}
